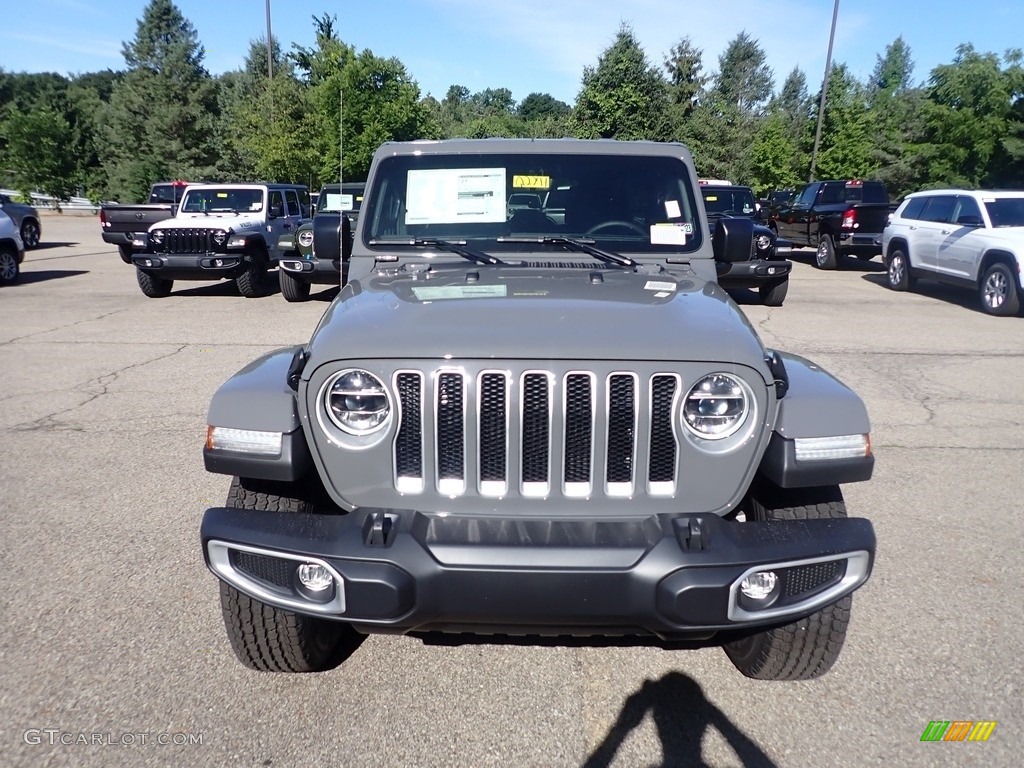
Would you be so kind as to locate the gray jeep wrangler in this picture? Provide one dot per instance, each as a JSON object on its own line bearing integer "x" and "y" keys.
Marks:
{"x": 539, "y": 421}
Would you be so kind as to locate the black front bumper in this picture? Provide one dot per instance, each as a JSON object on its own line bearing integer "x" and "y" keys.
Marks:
{"x": 313, "y": 270}
{"x": 754, "y": 273}
{"x": 192, "y": 266}
{"x": 402, "y": 571}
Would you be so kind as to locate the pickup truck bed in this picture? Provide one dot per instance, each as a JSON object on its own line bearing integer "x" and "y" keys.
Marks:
{"x": 120, "y": 222}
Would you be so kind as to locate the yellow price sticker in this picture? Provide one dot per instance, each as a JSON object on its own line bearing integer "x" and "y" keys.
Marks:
{"x": 711, "y": 198}
{"x": 222, "y": 194}
{"x": 523, "y": 181}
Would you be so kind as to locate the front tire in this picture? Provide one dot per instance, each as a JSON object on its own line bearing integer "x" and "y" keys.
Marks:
{"x": 774, "y": 295}
{"x": 807, "y": 648}
{"x": 825, "y": 257}
{"x": 30, "y": 232}
{"x": 254, "y": 282}
{"x": 126, "y": 253}
{"x": 292, "y": 288}
{"x": 9, "y": 267}
{"x": 897, "y": 274}
{"x": 154, "y": 287}
{"x": 998, "y": 291}
{"x": 268, "y": 639}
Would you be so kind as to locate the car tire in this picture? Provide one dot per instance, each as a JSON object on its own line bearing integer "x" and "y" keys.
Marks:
{"x": 268, "y": 639}
{"x": 774, "y": 295}
{"x": 807, "y": 648}
{"x": 897, "y": 272}
{"x": 998, "y": 291}
{"x": 254, "y": 281}
{"x": 126, "y": 253}
{"x": 292, "y": 288}
{"x": 152, "y": 286}
{"x": 30, "y": 233}
{"x": 825, "y": 256}
{"x": 9, "y": 267}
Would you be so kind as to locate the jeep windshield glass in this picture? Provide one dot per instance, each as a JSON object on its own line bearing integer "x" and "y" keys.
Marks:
{"x": 513, "y": 201}
{"x": 1005, "y": 211}
{"x": 728, "y": 202}
{"x": 222, "y": 200}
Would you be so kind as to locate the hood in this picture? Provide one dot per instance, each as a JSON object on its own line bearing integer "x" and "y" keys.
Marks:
{"x": 525, "y": 312}
{"x": 237, "y": 222}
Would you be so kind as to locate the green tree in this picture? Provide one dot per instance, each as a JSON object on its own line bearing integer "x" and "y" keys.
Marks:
{"x": 789, "y": 110}
{"x": 847, "y": 135}
{"x": 542, "y": 106}
{"x": 624, "y": 96}
{"x": 161, "y": 121}
{"x": 894, "y": 106}
{"x": 40, "y": 152}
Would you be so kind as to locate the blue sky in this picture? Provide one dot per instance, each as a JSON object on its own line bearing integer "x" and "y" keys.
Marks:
{"x": 524, "y": 45}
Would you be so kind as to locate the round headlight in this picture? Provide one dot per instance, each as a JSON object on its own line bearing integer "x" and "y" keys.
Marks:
{"x": 764, "y": 242}
{"x": 357, "y": 402}
{"x": 157, "y": 236}
{"x": 716, "y": 406}
{"x": 306, "y": 238}
{"x": 219, "y": 237}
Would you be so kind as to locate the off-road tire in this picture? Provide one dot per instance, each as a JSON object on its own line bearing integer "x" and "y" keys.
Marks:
{"x": 9, "y": 267}
{"x": 825, "y": 256}
{"x": 997, "y": 290}
{"x": 125, "y": 252}
{"x": 268, "y": 639}
{"x": 774, "y": 295}
{"x": 292, "y": 288}
{"x": 897, "y": 271}
{"x": 807, "y": 648}
{"x": 254, "y": 281}
{"x": 30, "y": 233}
{"x": 153, "y": 286}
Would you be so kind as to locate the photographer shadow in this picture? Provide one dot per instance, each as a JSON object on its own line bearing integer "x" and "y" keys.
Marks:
{"x": 682, "y": 715}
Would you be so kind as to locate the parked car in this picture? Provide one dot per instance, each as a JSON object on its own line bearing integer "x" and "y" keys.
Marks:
{"x": 838, "y": 218}
{"x": 25, "y": 218}
{"x": 970, "y": 238}
{"x": 12, "y": 249}
{"x": 764, "y": 271}
{"x": 124, "y": 223}
{"x": 516, "y": 427}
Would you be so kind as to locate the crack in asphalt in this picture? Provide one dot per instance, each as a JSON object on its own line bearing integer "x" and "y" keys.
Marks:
{"x": 947, "y": 446}
{"x": 62, "y": 327}
{"x": 48, "y": 423}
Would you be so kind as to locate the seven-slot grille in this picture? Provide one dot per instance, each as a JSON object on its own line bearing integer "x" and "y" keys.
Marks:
{"x": 186, "y": 241}
{"x": 536, "y": 433}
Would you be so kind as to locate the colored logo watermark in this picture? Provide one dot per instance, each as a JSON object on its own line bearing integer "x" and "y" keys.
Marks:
{"x": 958, "y": 730}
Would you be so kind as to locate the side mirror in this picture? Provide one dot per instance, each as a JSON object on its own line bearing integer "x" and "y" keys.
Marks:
{"x": 733, "y": 240}
{"x": 969, "y": 220}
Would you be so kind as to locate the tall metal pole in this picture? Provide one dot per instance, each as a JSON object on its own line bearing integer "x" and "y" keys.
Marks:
{"x": 824, "y": 90}
{"x": 270, "y": 63}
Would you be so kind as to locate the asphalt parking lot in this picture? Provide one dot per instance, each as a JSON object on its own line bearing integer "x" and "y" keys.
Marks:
{"x": 112, "y": 629}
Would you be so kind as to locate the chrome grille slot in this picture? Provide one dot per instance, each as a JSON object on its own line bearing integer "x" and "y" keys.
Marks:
{"x": 621, "y": 434}
{"x": 493, "y": 433}
{"x": 579, "y": 433}
{"x": 451, "y": 442}
{"x": 536, "y": 439}
{"x": 662, "y": 457}
{"x": 409, "y": 442}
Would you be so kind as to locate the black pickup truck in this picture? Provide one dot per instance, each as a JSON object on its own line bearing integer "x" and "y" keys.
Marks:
{"x": 839, "y": 218}
{"x": 121, "y": 222}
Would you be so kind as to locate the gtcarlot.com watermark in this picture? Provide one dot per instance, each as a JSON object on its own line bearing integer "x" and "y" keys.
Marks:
{"x": 59, "y": 737}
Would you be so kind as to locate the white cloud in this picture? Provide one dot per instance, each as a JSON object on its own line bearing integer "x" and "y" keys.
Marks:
{"x": 99, "y": 49}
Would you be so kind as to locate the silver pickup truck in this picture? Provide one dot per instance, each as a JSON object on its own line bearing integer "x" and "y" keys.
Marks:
{"x": 512, "y": 424}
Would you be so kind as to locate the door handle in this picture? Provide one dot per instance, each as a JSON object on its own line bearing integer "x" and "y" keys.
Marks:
{"x": 946, "y": 231}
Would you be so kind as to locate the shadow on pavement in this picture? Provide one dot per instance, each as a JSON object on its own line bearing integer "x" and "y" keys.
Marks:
{"x": 46, "y": 245}
{"x": 847, "y": 264}
{"x": 951, "y": 294}
{"x": 682, "y": 715}
{"x": 42, "y": 275}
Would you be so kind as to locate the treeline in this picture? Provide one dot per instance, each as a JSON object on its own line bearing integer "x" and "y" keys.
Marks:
{"x": 110, "y": 134}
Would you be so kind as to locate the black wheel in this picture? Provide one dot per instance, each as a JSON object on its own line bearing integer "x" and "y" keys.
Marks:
{"x": 269, "y": 639}
{"x": 807, "y": 648}
{"x": 825, "y": 256}
{"x": 126, "y": 253}
{"x": 998, "y": 291}
{"x": 9, "y": 267}
{"x": 30, "y": 233}
{"x": 153, "y": 286}
{"x": 897, "y": 275}
{"x": 774, "y": 295}
{"x": 292, "y": 288}
{"x": 255, "y": 281}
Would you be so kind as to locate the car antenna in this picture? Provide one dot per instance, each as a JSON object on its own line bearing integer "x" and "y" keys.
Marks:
{"x": 341, "y": 187}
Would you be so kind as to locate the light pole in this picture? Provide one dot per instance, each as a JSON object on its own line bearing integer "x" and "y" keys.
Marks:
{"x": 270, "y": 63}
{"x": 824, "y": 89}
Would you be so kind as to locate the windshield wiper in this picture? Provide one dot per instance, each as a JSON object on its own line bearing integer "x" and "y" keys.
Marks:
{"x": 582, "y": 246}
{"x": 445, "y": 245}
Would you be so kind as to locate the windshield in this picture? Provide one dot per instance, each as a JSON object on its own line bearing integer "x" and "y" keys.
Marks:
{"x": 332, "y": 200}
{"x": 620, "y": 202}
{"x": 738, "y": 201}
{"x": 222, "y": 199}
{"x": 1005, "y": 211}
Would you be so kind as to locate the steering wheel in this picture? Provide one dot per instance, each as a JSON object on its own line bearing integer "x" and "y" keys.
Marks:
{"x": 616, "y": 223}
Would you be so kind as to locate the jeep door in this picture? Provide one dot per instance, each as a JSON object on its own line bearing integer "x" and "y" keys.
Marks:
{"x": 283, "y": 216}
{"x": 962, "y": 241}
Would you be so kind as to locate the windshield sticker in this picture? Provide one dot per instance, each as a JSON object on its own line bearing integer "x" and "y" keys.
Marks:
{"x": 456, "y": 196}
{"x": 441, "y": 292}
{"x": 520, "y": 181}
{"x": 711, "y": 198}
{"x": 672, "y": 209}
{"x": 657, "y": 285}
{"x": 668, "y": 234}
{"x": 662, "y": 294}
{"x": 222, "y": 194}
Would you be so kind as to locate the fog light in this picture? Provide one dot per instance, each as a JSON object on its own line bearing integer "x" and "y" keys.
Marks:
{"x": 759, "y": 586}
{"x": 315, "y": 577}
{"x": 218, "y": 262}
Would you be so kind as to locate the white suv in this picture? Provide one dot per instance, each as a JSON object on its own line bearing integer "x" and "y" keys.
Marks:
{"x": 972, "y": 238}
{"x": 12, "y": 249}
